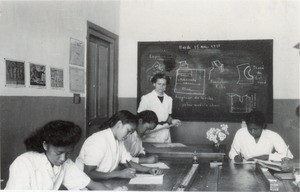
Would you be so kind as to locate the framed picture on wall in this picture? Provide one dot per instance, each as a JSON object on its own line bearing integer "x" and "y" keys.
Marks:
{"x": 15, "y": 73}
{"x": 57, "y": 77}
{"x": 76, "y": 52}
{"x": 76, "y": 79}
{"x": 37, "y": 75}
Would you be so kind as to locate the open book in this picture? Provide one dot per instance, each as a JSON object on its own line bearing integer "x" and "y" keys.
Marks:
{"x": 269, "y": 164}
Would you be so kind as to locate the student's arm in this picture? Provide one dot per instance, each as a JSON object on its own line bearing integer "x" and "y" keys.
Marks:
{"x": 93, "y": 185}
{"x": 235, "y": 150}
{"x": 97, "y": 175}
{"x": 19, "y": 174}
{"x": 175, "y": 122}
{"x": 167, "y": 126}
{"x": 141, "y": 168}
{"x": 150, "y": 159}
{"x": 281, "y": 149}
{"x": 261, "y": 157}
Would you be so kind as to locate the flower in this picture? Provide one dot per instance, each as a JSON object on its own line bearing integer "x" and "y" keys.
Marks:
{"x": 217, "y": 135}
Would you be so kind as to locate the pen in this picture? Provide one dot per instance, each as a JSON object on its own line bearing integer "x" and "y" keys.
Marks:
{"x": 128, "y": 164}
{"x": 239, "y": 153}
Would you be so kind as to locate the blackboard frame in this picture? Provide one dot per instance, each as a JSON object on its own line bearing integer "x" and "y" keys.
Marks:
{"x": 262, "y": 48}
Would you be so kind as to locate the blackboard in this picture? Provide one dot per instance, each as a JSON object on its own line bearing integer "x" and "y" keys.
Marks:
{"x": 211, "y": 80}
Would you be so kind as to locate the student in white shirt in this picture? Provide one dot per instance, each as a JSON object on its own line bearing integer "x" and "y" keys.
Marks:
{"x": 46, "y": 165}
{"x": 256, "y": 142}
{"x": 159, "y": 102}
{"x": 103, "y": 151}
{"x": 147, "y": 121}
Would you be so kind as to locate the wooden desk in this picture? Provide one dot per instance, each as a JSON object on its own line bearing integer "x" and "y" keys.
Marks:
{"x": 247, "y": 178}
{"x": 203, "y": 152}
{"x": 228, "y": 177}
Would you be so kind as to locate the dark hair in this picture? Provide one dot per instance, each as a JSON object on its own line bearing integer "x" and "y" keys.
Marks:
{"x": 255, "y": 117}
{"x": 124, "y": 116}
{"x": 58, "y": 133}
{"x": 148, "y": 117}
{"x": 160, "y": 76}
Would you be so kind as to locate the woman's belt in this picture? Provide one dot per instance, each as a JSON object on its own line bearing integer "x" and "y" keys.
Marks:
{"x": 162, "y": 122}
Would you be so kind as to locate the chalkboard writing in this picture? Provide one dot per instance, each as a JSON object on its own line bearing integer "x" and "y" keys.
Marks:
{"x": 211, "y": 80}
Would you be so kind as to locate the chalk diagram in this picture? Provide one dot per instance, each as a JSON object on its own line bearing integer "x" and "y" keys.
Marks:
{"x": 244, "y": 74}
{"x": 189, "y": 81}
{"x": 157, "y": 67}
{"x": 217, "y": 67}
{"x": 240, "y": 103}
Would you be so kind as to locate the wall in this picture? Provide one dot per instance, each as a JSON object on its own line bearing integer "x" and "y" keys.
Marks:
{"x": 191, "y": 20}
{"x": 40, "y": 32}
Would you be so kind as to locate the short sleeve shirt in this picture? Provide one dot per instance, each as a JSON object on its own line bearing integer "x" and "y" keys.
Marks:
{"x": 33, "y": 171}
{"x": 103, "y": 151}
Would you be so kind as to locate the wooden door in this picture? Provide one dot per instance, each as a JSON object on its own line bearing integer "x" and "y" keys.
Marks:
{"x": 102, "y": 70}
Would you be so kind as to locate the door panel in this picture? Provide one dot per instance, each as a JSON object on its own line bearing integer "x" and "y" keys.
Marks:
{"x": 103, "y": 82}
{"x": 101, "y": 77}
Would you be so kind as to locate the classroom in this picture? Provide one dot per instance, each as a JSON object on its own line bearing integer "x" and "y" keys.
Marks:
{"x": 44, "y": 40}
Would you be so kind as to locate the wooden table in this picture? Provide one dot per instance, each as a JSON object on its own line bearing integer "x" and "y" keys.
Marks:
{"x": 203, "y": 152}
{"x": 228, "y": 177}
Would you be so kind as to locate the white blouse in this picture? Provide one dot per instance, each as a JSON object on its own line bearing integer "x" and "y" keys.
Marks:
{"x": 134, "y": 145}
{"x": 244, "y": 143}
{"x": 33, "y": 171}
{"x": 104, "y": 151}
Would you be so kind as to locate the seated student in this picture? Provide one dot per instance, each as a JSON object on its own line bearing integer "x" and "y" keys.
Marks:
{"x": 256, "y": 142}
{"x": 147, "y": 121}
{"x": 46, "y": 165}
{"x": 103, "y": 151}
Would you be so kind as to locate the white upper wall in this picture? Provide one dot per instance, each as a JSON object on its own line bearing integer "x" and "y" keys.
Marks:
{"x": 189, "y": 20}
{"x": 40, "y": 32}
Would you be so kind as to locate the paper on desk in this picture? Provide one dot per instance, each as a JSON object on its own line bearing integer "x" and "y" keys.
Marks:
{"x": 270, "y": 164}
{"x": 245, "y": 162}
{"x": 168, "y": 145}
{"x": 146, "y": 179}
{"x": 160, "y": 165}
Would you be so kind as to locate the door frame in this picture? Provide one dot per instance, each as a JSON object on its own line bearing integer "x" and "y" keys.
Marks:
{"x": 113, "y": 40}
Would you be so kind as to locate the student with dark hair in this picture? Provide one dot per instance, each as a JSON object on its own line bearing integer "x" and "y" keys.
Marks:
{"x": 147, "y": 121}
{"x": 46, "y": 165}
{"x": 256, "y": 142}
{"x": 103, "y": 151}
{"x": 159, "y": 102}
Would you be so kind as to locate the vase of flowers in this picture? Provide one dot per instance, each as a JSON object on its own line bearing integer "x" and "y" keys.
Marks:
{"x": 216, "y": 135}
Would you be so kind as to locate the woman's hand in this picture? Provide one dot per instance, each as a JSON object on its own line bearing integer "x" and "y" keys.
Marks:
{"x": 238, "y": 158}
{"x": 152, "y": 159}
{"x": 127, "y": 173}
{"x": 286, "y": 164}
{"x": 176, "y": 122}
{"x": 155, "y": 171}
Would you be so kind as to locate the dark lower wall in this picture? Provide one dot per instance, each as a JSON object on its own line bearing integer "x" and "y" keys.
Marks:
{"x": 21, "y": 115}
{"x": 285, "y": 122}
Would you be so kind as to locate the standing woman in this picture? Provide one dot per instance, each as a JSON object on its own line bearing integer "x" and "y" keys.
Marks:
{"x": 46, "y": 164}
{"x": 159, "y": 102}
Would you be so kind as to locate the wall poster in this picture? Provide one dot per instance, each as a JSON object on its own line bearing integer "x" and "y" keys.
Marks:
{"x": 76, "y": 52}
{"x": 37, "y": 75}
{"x": 57, "y": 78}
{"x": 76, "y": 79}
{"x": 15, "y": 73}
